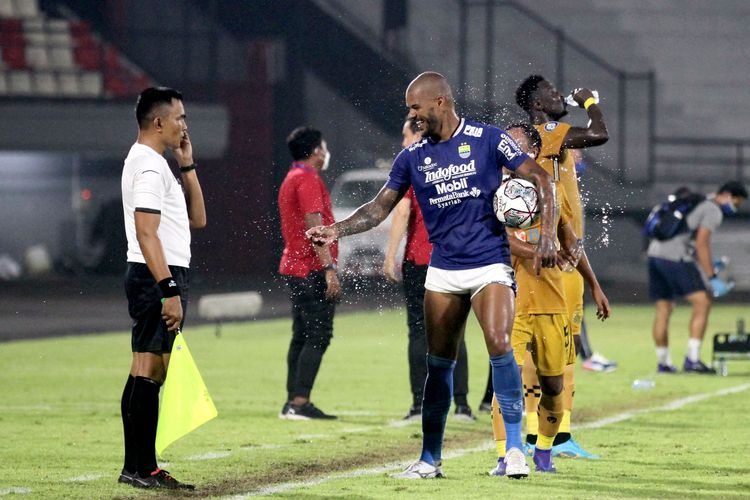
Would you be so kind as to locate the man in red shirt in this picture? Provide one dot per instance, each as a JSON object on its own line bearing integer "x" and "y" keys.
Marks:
{"x": 309, "y": 270}
{"x": 407, "y": 218}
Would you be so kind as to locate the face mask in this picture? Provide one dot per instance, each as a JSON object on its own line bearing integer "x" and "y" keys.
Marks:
{"x": 326, "y": 160}
{"x": 728, "y": 208}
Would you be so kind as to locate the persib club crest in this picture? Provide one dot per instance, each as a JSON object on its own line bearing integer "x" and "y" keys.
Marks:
{"x": 464, "y": 150}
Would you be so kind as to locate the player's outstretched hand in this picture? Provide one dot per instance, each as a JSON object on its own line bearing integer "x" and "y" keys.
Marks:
{"x": 602, "y": 304}
{"x": 322, "y": 235}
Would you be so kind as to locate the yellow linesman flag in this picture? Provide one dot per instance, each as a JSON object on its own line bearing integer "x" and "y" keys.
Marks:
{"x": 185, "y": 402}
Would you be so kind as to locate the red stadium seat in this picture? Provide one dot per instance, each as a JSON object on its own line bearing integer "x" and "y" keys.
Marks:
{"x": 115, "y": 86}
{"x": 15, "y": 57}
{"x": 88, "y": 58}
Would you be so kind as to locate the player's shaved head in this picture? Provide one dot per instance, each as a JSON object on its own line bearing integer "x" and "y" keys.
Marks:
{"x": 430, "y": 102}
{"x": 431, "y": 85}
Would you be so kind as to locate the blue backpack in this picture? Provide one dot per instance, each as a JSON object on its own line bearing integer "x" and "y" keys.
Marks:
{"x": 667, "y": 219}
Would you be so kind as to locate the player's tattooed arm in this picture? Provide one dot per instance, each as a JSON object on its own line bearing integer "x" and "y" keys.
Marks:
{"x": 365, "y": 217}
{"x": 595, "y": 134}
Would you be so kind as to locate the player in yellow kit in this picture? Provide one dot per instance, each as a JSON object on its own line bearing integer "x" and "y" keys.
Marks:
{"x": 541, "y": 329}
{"x": 545, "y": 106}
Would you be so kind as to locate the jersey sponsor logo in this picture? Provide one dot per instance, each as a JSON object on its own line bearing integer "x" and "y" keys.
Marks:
{"x": 508, "y": 148}
{"x": 453, "y": 198}
{"x": 464, "y": 150}
{"x": 417, "y": 144}
{"x": 428, "y": 165}
{"x": 449, "y": 187}
{"x": 550, "y": 126}
{"x": 475, "y": 191}
{"x": 451, "y": 171}
{"x": 473, "y": 131}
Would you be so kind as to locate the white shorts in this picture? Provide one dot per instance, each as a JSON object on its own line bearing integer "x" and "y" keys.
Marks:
{"x": 470, "y": 281}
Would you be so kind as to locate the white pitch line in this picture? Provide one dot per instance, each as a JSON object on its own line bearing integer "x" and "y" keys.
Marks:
{"x": 14, "y": 490}
{"x": 85, "y": 477}
{"x": 673, "y": 405}
{"x": 211, "y": 455}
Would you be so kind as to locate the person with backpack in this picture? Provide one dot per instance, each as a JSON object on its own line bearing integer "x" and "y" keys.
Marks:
{"x": 680, "y": 265}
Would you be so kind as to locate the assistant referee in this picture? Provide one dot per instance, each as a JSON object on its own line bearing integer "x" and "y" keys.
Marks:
{"x": 159, "y": 212}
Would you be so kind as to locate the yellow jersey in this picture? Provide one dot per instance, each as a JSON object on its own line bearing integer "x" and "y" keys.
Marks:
{"x": 543, "y": 294}
{"x": 559, "y": 163}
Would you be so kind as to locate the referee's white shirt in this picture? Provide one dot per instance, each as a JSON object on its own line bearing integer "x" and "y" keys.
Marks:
{"x": 149, "y": 186}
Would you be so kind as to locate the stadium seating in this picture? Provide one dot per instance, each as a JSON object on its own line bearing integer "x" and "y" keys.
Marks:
{"x": 48, "y": 57}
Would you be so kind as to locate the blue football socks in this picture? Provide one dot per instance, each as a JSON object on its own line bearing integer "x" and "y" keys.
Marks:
{"x": 506, "y": 380}
{"x": 438, "y": 391}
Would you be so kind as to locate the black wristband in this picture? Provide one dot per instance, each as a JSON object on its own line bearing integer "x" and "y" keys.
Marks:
{"x": 189, "y": 168}
{"x": 169, "y": 287}
{"x": 330, "y": 266}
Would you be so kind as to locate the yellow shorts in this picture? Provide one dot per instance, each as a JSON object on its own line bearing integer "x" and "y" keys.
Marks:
{"x": 573, "y": 285}
{"x": 549, "y": 340}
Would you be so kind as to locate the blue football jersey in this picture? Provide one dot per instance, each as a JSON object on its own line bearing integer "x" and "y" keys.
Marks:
{"x": 454, "y": 182}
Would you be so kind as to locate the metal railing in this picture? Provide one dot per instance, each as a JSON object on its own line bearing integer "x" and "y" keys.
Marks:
{"x": 724, "y": 158}
{"x": 563, "y": 45}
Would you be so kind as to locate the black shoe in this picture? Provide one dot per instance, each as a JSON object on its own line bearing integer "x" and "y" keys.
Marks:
{"x": 414, "y": 413}
{"x": 307, "y": 411}
{"x": 463, "y": 413}
{"x": 485, "y": 407}
{"x": 285, "y": 409}
{"x": 160, "y": 479}
{"x": 696, "y": 367}
{"x": 126, "y": 477}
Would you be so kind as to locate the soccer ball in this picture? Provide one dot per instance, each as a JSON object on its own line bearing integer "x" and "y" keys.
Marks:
{"x": 516, "y": 203}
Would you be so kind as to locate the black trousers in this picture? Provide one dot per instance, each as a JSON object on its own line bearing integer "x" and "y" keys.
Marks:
{"x": 312, "y": 330}
{"x": 414, "y": 277}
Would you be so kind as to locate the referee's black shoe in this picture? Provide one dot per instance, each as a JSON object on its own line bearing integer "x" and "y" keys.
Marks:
{"x": 126, "y": 477}
{"x": 160, "y": 479}
{"x": 307, "y": 411}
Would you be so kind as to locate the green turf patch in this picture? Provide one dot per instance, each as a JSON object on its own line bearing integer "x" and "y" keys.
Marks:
{"x": 61, "y": 433}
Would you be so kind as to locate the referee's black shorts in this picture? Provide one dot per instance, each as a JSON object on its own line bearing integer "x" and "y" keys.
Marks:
{"x": 150, "y": 332}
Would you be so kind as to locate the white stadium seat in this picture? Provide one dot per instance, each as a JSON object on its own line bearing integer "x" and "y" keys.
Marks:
{"x": 61, "y": 58}
{"x": 26, "y": 9}
{"x": 45, "y": 83}
{"x": 58, "y": 33}
{"x": 6, "y": 8}
{"x": 69, "y": 84}
{"x": 19, "y": 83}
{"x": 36, "y": 57}
{"x": 35, "y": 31}
{"x": 91, "y": 84}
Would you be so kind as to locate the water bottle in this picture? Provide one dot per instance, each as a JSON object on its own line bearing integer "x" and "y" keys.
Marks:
{"x": 572, "y": 102}
{"x": 643, "y": 385}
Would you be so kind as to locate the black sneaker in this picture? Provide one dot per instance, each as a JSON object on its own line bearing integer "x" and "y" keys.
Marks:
{"x": 126, "y": 477}
{"x": 414, "y": 413}
{"x": 464, "y": 414}
{"x": 307, "y": 411}
{"x": 485, "y": 407}
{"x": 697, "y": 367}
{"x": 160, "y": 479}
{"x": 285, "y": 409}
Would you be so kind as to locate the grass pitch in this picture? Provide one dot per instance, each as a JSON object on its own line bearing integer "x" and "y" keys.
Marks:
{"x": 60, "y": 431}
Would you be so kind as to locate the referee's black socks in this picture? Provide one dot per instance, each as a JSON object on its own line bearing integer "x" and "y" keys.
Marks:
{"x": 131, "y": 463}
{"x": 144, "y": 411}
